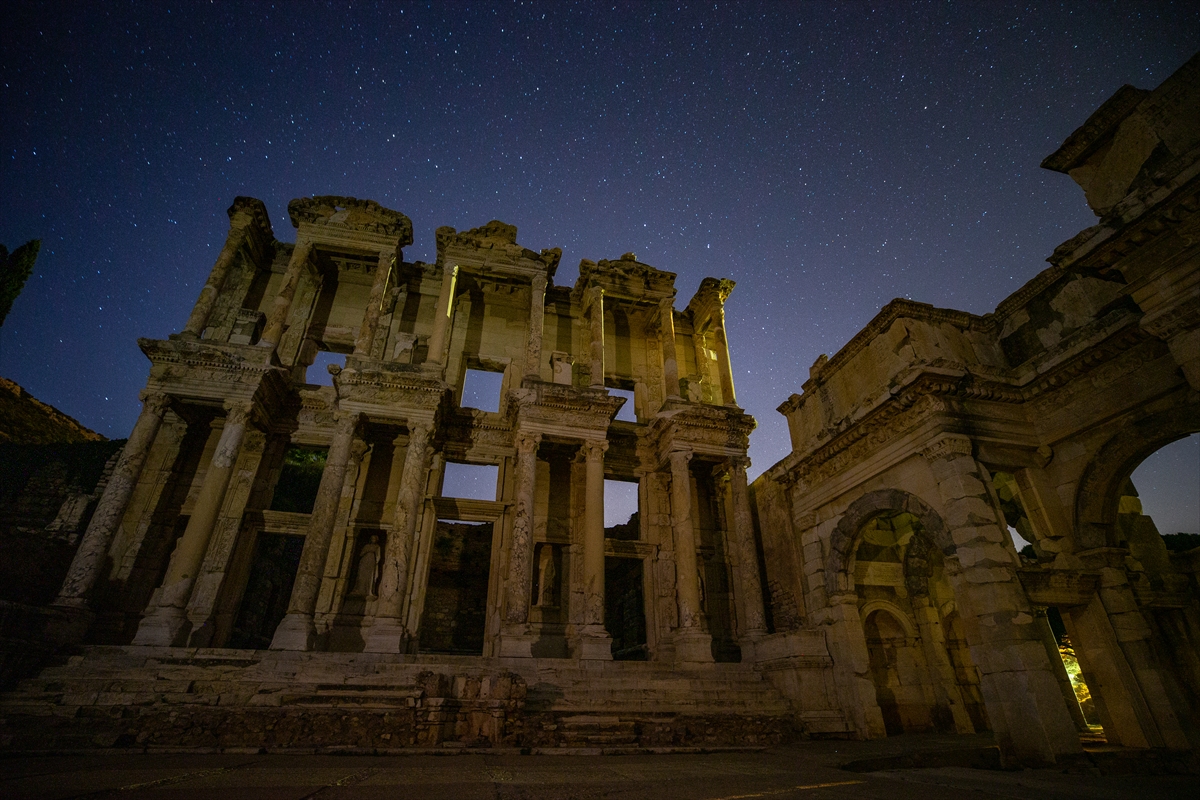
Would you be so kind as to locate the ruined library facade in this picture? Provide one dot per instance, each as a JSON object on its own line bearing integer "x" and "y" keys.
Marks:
{"x": 272, "y": 547}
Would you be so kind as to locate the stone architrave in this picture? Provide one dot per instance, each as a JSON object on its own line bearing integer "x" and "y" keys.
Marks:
{"x": 370, "y": 323}
{"x": 282, "y": 304}
{"x": 537, "y": 320}
{"x": 693, "y": 643}
{"x": 163, "y": 625}
{"x": 743, "y": 527}
{"x": 387, "y": 632}
{"x": 90, "y": 557}
{"x": 518, "y": 581}
{"x": 1025, "y": 707}
{"x": 198, "y": 319}
{"x": 439, "y": 339}
{"x": 666, "y": 332}
{"x": 296, "y": 631}
{"x": 595, "y": 642}
{"x": 595, "y": 304}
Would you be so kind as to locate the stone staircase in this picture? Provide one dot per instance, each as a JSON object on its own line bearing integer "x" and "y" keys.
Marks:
{"x": 210, "y": 699}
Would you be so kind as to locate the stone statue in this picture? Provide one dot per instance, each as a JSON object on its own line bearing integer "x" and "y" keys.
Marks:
{"x": 367, "y": 574}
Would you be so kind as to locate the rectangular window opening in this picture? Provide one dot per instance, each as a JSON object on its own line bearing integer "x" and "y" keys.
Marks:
{"x": 470, "y": 481}
{"x": 299, "y": 479}
{"x": 481, "y": 390}
{"x": 628, "y": 412}
{"x": 455, "y": 611}
{"x": 318, "y": 372}
{"x": 621, "y": 510}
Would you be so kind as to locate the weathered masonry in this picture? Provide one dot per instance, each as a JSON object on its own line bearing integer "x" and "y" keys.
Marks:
{"x": 205, "y": 538}
{"x": 933, "y": 433}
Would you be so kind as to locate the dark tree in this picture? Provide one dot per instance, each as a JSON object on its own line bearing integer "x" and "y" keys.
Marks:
{"x": 15, "y": 269}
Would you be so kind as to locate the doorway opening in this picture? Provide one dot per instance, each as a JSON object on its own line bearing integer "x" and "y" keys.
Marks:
{"x": 268, "y": 590}
{"x": 625, "y": 608}
{"x": 455, "y": 612}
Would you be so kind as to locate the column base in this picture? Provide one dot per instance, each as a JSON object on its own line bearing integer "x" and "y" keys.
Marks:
{"x": 693, "y": 648}
{"x": 594, "y": 644}
{"x": 296, "y": 632}
{"x": 162, "y": 627}
{"x": 749, "y": 646}
{"x": 516, "y": 644}
{"x": 386, "y": 635}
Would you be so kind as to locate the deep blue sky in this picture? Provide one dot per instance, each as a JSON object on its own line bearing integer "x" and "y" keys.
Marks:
{"x": 826, "y": 157}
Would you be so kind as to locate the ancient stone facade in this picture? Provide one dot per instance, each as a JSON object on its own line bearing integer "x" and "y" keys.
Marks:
{"x": 919, "y": 445}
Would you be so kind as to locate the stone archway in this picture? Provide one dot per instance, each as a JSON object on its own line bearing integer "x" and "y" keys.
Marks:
{"x": 1098, "y": 495}
{"x": 849, "y": 530}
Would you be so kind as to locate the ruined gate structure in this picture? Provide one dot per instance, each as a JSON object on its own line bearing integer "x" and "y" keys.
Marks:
{"x": 276, "y": 563}
{"x": 933, "y": 433}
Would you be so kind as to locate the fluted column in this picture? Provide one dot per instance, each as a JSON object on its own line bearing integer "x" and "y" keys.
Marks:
{"x": 519, "y": 580}
{"x": 445, "y": 310}
{"x": 89, "y": 559}
{"x": 692, "y": 642}
{"x": 594, "y": 641}
{"x": 282, "y": 304}
{"x": 198, "y": 320}
{"x": 387, "y": 633}
{"x": 743, "y": 528}
{"x": 537, "y": 319}
{"x": 666, "y": 327}
{"x": 165, "y": 620}
{"x": 370, "y": 323}
{"x": 296, "y": 631}
{"x": 596, "y": 322}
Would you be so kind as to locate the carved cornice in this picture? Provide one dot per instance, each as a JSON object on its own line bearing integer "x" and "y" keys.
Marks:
{"x": 253, "y": 210}
{"x": 482, "y": 244}
{"x": 351, "y": 214}
{"x": 626, "y": 278}
{"x": 1095, "y": 130}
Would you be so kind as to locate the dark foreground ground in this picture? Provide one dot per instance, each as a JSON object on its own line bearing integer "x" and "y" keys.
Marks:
{"x": 809, "y": 770}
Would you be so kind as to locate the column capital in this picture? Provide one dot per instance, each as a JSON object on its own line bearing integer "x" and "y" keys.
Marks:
{"x": 593, "y": 449}
{"x": 679, "y": 458}
{"x": 418, "y": 429}
{"x": 538, "y": 283}
{"x": 526, "y": 442}
{"x": 238, "y": 412}
{"x": 948, "y": 446}
{"x": 155, "y": 403}
{"x": 388, "y": 253}
{"x": 347, "y": 421}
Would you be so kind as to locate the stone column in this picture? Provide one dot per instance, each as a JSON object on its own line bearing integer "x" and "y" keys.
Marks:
{"x": 692, "y": 642}
{"x": 537, "y": 321}
{"x": 198, "y": 320}
{"x": 754, "y": 621}
{"x": 725, "y": 365}
{"x": 595, "y": 303}
{"x": 387, "y": 633}
{"x": 1024, "y": 704}
{"x": 296, "y": 631}
{"x": 89, "y": 559}
{"x": 282, "y": 304}
{"x": 666, "y": 328}
{"x": 519, "y": 580}
{"x": 370, "y": 323}
{"x": 445, "y": 310}
{"x": 594, "y": 641}
{"x": 165, "y": 621}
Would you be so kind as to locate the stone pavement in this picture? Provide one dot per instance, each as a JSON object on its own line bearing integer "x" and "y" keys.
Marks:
{"x": 803, "y": 770}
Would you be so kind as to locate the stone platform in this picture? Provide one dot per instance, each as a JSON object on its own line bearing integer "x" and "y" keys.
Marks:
{"x": 219, "y": 699}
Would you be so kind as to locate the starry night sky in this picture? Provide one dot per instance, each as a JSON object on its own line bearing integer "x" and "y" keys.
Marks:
{"x": 826, "y": 157}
